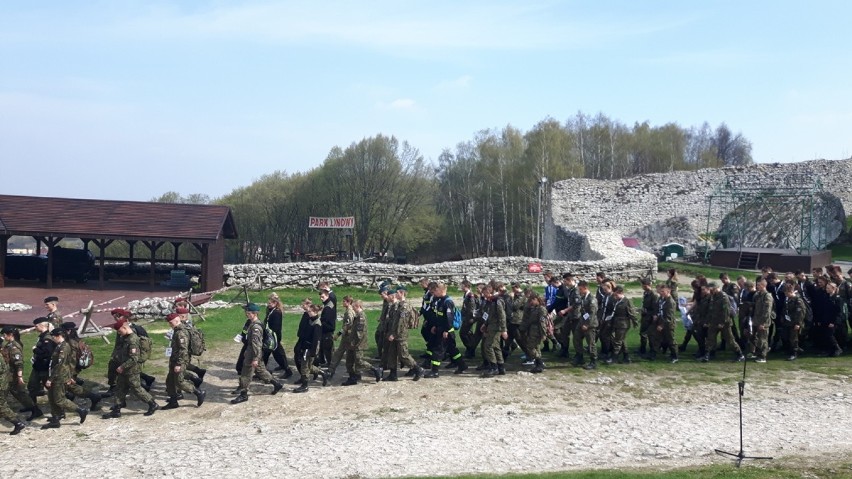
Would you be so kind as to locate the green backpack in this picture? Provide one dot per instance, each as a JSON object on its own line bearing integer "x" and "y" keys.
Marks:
{"x": 145, "y": 347}
{"x": 197, "y": 346}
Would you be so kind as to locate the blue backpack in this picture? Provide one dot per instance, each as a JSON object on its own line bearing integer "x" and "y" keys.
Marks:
{"x": 457, "y": 318}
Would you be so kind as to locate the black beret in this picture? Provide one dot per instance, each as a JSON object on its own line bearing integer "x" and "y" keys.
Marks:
{"x": 8, "y": 330}
{"x": 51, "y": 299}
{"x": 40, "y": 319}
{"x": 68, "y": 326}
{"x": 57, "y": 332}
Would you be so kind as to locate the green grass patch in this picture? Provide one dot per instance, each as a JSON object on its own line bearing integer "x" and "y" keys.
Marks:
{"x": 841, "y": 252}
{"x": 691, "y": 269}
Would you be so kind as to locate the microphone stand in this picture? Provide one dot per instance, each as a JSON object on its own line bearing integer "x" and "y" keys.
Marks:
{"x": 740, "y": 456}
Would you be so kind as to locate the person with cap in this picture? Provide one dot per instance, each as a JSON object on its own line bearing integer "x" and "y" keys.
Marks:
{"x": 396, "y": 348}
{"x": 60, "y": 375}
{"x": 51, "y": 304}
{"x": 124, "y": 314}
{"x": 719, "y": 321}
{"x": 275, "y": 321}
{"x": 253, "y": 357}
{"x": 13, "y": 353}
{"x": 75, "y": 387}
{"x": 42, "y": 352}
{"x": 340, "y": 351}
{"x": 533, "y": 329}
{"x": 128, "y": 372}
{"x": 516, "y": 303}
{"x": 623, "y": 316}
{"x": 309, "y": 338}
{"x": 7, "y": 380}
{"x": 178, "y": 353}
{"x": 442, "y": 333}
{"x": 468, "y": 313}
{"x": 198, "y": 372}
{"x": 568, "y": 313}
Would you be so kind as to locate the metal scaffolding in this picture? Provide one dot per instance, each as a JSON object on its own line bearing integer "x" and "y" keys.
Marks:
{"x": 745, "y": 198}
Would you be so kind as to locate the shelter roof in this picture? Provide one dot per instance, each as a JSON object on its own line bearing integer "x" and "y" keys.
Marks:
{"x": 124, "y": 220}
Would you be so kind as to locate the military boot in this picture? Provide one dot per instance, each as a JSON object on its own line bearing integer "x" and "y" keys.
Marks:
{"x": 276, "y": 386}
{"x": 82, "y": 412}
{"x": 592, "y": 365}
{"x": 432, "y": 373}
{"x": 461, "y": 366}
{"x": 201, "y": 373}
{"x": 35, "y": 414}
{"x": 501, "y": 369}
{"x": 377, "y": 374}
{"x": 489, "y": 371}
{"x": 418, "y": 373}
{"x": 19, "y": 426}
{"x": 303, "y": 388}
{"x": 626, "y": 358}
{"x": 578, "y": 360}
{"x": 149, "y": 380}
{"x": 324, "y": 375}
{"x": 114, "y": 412}
{"x": 351, "y": 381}
{"x": 538, "y": 367}
{"x": 52, "y": 423}
{"x": 194, "y": 380}
{"x": 643, "y": 345}
{"x": 95, "y": 398}
{"x": 171, "y": 404}
{"x": 200, "y": 395}
{"x": 243, "y": 397}
{"x": 392, "y": 376}
{"x": 152, "y": 408}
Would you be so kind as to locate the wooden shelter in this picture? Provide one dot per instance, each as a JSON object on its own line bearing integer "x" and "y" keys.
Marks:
{"x": 102, "y": 222}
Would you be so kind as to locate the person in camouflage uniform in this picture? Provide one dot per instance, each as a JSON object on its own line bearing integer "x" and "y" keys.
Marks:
{"x": 51, "y": 304}
{"x": 517, "y": 302}
{"x": 532, "y": 330}
{"x": 75, "y": 387}
{"x": 761, "y": 320}
{"x": 494, "y": 316}
{"x": 606, "y": 303}
{"x": 586, "y": 328}
{"x": 13, "y": 352}
{"x": 354, "y": 342}
{"x": 700, "y": 319}
{"x": 396, "y": 347}
{"x": 179, "y": 356}
{"x": 468, "y": 311}
{"x": 61, "y": 365}
{"x": 8, "y": 378}
{"x": 650, "y": 300}
{"x": 794, "y": 317}
{"x": 117, "y": 315}
{"x": 253, "y": 361}
{"x": 128, "y": 372}
{"x": 383, "y": 320}
{"x": 663, "y": 325}
{"x": 719, "y": 321}
{"x": 623, "y": 316}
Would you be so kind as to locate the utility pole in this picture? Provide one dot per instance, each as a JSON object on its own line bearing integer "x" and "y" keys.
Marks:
{"x": 541, "y": 184}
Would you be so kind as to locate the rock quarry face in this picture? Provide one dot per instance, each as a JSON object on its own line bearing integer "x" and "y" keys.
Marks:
{"x": 665, "y": 207}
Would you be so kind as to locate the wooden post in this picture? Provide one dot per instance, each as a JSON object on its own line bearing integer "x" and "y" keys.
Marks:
{"x": 102, "y": 245}
{"x": 176, "y": 245}
{"x": 153, "y": 246}
{"x": 205, "y": 268}
{"x": 4, "y": 245}
{"x": 51, "y": 242}
{"x": 132, "y": 246}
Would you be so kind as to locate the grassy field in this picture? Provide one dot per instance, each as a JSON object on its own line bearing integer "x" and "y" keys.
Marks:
{"x": 841, "y": 252}
{"x": 692, "y": 269}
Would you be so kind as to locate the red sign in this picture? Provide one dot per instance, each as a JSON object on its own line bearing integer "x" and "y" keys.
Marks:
{"x": 534, "y": 267}
{"x": 342, "y": 222}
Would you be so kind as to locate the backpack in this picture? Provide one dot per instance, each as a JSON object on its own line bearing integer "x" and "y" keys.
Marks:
{"x": 196, "y": 341}
{"x": 85, "y": 356}
{"x": 270, "y": 341}
{"x": 457, "y": 317}
{"x": 145, "y": 347}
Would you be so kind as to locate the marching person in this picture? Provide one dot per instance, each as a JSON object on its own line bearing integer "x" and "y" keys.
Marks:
{"x": 275, "y": 321}
{"x": 443, "y": 334}
{"x": 179, "y": 357}
{"x": 307, "y": 345}
{"x": 253, "y": 357}
{"x": 61, "y": 364}
{"x": 494, "y": 316}
{"x": 532, "y": 330}
{"x": 42, "y": 352}
{"x": 663, "y": 325}
{"x": 396, "y": 347}
{"x": 587, "y": 327}
{"x": 198, "y": 372}
{"x": 75, "y": 387}
{"x": 13, "y": 351}
{"x": 51, "y": 304}
{"x": 128, "y": 372}
{"x": 354, "y": 342}
{"x": 623, "y": 316}
{"x": 117, "y": 315}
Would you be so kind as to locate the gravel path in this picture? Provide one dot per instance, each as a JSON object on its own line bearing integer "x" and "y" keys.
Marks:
{"x": 452, "y": 425}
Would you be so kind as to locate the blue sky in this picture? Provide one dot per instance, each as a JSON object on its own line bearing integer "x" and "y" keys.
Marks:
{"x": 128, "y": 100}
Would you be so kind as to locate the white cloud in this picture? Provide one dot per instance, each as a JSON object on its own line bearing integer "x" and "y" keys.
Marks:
{"x": 398, "y": 104}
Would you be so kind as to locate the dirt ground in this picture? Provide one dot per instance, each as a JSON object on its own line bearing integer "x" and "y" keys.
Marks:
{"x": 447, "y": 426}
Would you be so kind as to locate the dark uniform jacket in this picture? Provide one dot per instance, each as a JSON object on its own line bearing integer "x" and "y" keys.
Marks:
{"x": 42, "y": 352}
{"x": 309, "y": 334}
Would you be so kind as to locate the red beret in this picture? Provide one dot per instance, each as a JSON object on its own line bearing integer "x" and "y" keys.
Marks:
{"x": 118, "y": 324}
{"x": 172, "y": 316}
{"x": 121, "y": 312}
{"x": 181, "y": 310}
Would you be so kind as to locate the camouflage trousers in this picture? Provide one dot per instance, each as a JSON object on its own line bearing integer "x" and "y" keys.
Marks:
{"x": 249, "y": 371}
{"x": 713, "y": 332}
{"x": 58, "y": 402}
{"x": 128, "y": 381}
{"x": 589, "y": 336}
{"x": 396, "y": 354}
{"x": 176, "y": 382}
{"x": 5, "y": 411}
{"x": 491, "y": 350}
